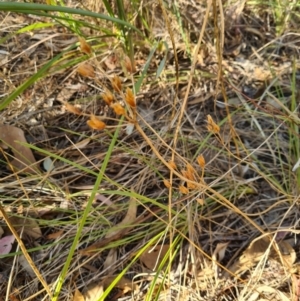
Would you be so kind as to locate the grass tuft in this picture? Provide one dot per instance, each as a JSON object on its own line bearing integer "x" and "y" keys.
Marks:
{"x": 163, "y": 144}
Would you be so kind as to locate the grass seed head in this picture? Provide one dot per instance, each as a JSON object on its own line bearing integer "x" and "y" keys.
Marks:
{"x": 130, "y": 99}
{"x": 189, "y": 173}
{"x": 116, "y": 83}
{"x": 119, "y": 110}
{"x": 183, "y": 189}
{"x": 212, "y": 126}
{"x": 129, "y": 65}
{"x": 86, "y": 70}
{"x": 70, "y": 108}
{"x": 84, "y": 46}
{"x": 201, "y": 161}
{"x": 200, "y": 201}
{"x": 167, "y": 183}
{"x": 191, "y": 186}
{"x": 95, "y": 123}
{"x": 108, "y": 97}
{"x": 172, "y": 165}
{"x": 190, "y": 170}
{"x": 184, "y": 173}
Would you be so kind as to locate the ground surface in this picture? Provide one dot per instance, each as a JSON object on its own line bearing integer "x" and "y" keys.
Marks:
{"x": 227, "y": 208}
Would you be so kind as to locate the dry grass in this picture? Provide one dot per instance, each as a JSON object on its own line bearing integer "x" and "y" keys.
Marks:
{"x": 201, "y": 200}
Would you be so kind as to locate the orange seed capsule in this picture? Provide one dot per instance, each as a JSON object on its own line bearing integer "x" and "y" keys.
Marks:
{"x": 128, "y": 64}
{"x": 191, "y": 185}
{"x": 86, "y": 70}
{"x": 200, "y": 201}
{"x": 84, "y": 46}
{"x": 201, "y": 161}
{"x": 212, "y": 126}
{"x": 116, "y": 83}
{"x": 184, "y": 173}
{"x": 70, "y": 108}
{"x": 129, "y": 97}
{"x": 107, "y": 97}
{"x": 190, "y": 169}
{"x": 95, "y": 123}
{"x": 183, "y": 189}
{"x": 167, "y": 183}
{"x": 172, "y": 164}
{"x": 119, "y": 110}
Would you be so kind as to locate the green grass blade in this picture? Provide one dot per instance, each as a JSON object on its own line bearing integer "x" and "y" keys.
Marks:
{"x": 40, "y": 8}
{"x": 108, "y": 7}
{"x": 35, "y": 26}
{"x": 163, "y": 62}
{"x": 139, "y": 82}
{"x": 33, "y": 79}
{"x": 85, "y": 214}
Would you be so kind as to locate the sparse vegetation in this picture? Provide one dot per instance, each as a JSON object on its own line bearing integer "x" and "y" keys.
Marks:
{"x": 149, "y": 150}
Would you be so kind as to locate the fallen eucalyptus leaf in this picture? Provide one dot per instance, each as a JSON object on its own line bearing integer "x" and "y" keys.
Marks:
{"x": 153, "y": 256}
{"x": 13, "y": 137}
